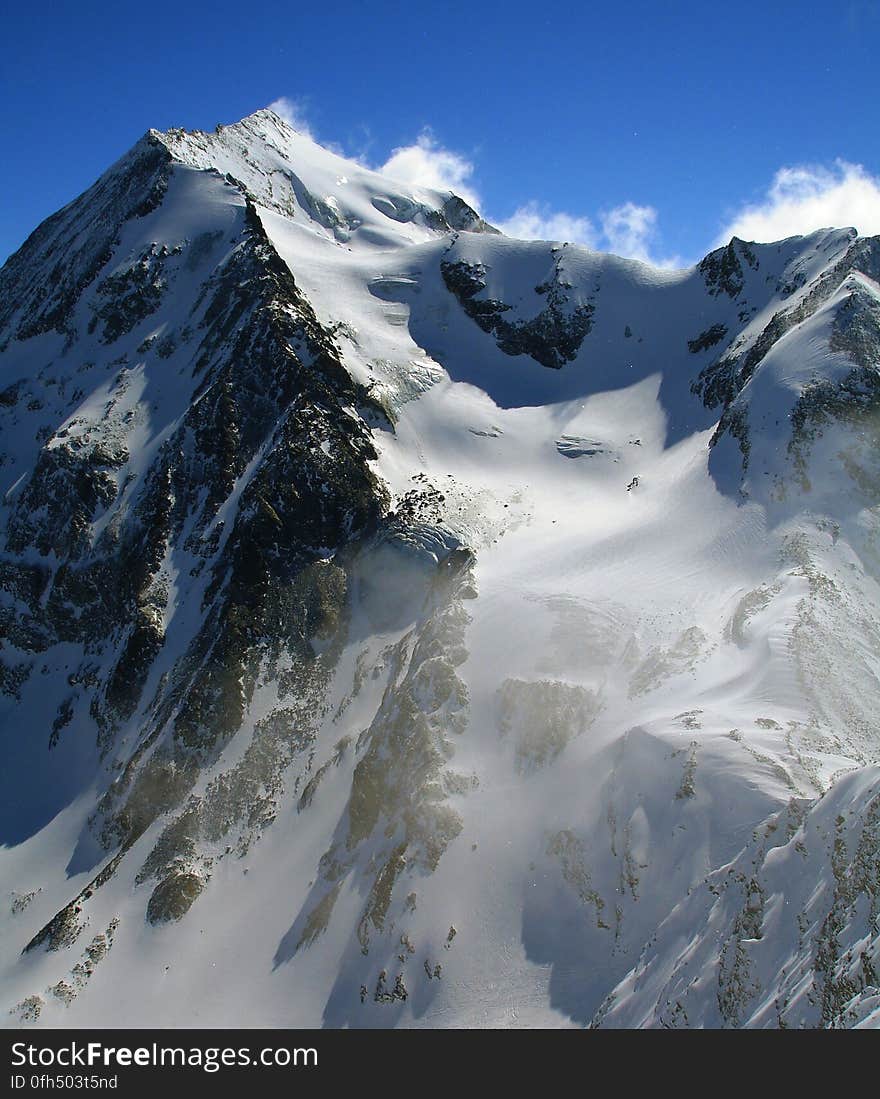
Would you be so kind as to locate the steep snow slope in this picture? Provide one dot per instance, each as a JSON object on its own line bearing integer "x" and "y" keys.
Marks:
{"x": 402, "y": 623}
{"x": 707, "y": 965}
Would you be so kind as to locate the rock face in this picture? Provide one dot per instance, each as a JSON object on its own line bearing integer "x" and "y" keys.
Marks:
{"x": 73, "y": 246}
{"x": 431, "y": 616}
{"x": 552, "y": 337}
{"x": 853, "y": 332}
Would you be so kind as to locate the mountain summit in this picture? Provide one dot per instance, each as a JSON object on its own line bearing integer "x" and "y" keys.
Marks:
{"x": 405, "y": 625}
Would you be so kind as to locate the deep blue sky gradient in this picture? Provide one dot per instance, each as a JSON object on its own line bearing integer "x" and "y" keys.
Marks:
{"x": 688, "y": 107}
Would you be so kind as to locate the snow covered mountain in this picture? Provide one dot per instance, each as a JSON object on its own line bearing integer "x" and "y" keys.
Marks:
{"x": 405, "y": 625}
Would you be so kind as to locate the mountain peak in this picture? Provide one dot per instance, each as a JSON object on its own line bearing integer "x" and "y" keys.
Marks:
{"x": 377, "y": 594}
{"x": 264, "y": 124}
{"x": 285, "y": 170}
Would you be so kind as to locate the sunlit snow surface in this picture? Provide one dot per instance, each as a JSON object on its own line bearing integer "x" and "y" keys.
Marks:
{"x": 665, "y": 659}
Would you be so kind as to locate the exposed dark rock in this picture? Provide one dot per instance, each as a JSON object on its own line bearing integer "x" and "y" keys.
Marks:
{"x": 723, "y": 379}
{"x": 272, "y": 385}
{"x": 129, "y": 675}
{"x": 173, "y": 897}
{"x": 397, "y": 794}
{"x": 705, "y": 340}
{"x": 77, "y": 242}
{"x": 70, "y": 482}
{"x": 9, "y": 395}
{"x": 552, "y": 338}
{"x": 722, "y": 269}
{"x": 854, "y": 400}
{"x": 456, "y": 215}
{"x": 62, "y": 719}
{"x": 853, "y": 332}
{"x": 128, "y": 296}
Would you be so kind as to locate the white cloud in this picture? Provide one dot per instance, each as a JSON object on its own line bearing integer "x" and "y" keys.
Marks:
{"x": 537, "y": 222}
{"x": 293, "y": 112}
{"x": 630, "y": 230}
{"x": 804, "y": 198}
{"x": 800, "y": 200}
{"x": 627, "y": 230}
{"x": 427, "y": 164}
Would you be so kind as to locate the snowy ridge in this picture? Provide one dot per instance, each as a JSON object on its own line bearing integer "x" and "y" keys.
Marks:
{"x": 286, "y": 171}
{"x": 404, "y": 625}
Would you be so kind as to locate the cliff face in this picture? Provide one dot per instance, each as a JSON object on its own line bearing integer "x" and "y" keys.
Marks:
{"x": 413, "y": 620}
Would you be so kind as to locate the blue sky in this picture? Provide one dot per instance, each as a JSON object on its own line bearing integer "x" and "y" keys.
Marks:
{"x": 653, "y": 129}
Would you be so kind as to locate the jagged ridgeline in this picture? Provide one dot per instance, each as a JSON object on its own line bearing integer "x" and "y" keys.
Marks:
{"x": 400, "y": 622}
{"x": 256, "y": 494}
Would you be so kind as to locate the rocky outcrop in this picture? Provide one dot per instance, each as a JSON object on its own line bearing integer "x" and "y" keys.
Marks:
{"x": 821, "y": 400}
{"x": 42, "y": 282}
{"x": 722, "y": 269}
{"x": 722, "y": 380}
{"x": 273, "y": 440}
{"x": 552, "y": 338}
{"x": 398, "y": 823}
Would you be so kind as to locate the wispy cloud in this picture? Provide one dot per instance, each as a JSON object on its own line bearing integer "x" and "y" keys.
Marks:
{"x": 627, "y": 230}
{"x": 799, "y": 200}
{"x": 808, "y": 197}
{"x": 293, "y": 111}
{"x": 536, "y": 221}
{"x": 426, "y": 163}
